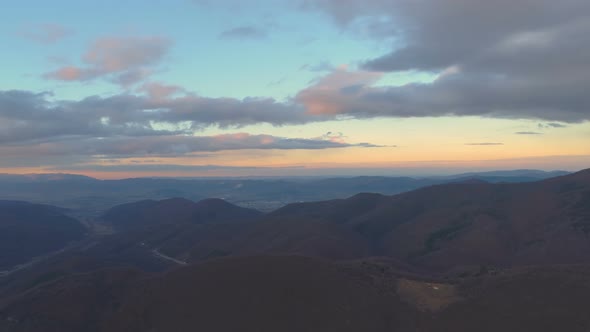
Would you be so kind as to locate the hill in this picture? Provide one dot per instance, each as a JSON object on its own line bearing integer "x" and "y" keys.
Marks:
{"x": 442, "y": 228}
{"x": 174, "y": 228}
{"x": 470, "y": 223}
{"x": 288, "y": 293}
{"x": 150, "y": 213}
{"x": 30, "y": 230}
{"x": 91, "y": 197}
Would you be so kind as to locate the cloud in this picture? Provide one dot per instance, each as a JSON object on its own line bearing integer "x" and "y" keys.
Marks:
{"x": 334, "y": 137}
{"x": 131, "y": 77}
{"x": 337, "y": 92}
{"x": 47, "y": 33}
{"x": 228, "y": 112}
{"x": 28, "y": 116}
{"x": 123, "y": 60}
{"x": 159, "y": 91}
{"x": 551, "y": 125}
{"x": 354, "y": 94}
{"x": 178, "y": 145}
{"x": 80, "y": 150}
{"x": 508, "y": 59}
{"x": 528, "y": 133}
{"x": 72, "y": 73}
{"x": 484, "y": 144}
{"x": 556, "y": 125}
{"x": 421, "y": 169}
{"x": 152, "y": 168}
{"x": 37, "y": 130}
{"x": 244, "y": 32}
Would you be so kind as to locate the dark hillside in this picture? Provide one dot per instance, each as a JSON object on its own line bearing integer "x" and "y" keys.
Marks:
{"x": 30, "y": 230}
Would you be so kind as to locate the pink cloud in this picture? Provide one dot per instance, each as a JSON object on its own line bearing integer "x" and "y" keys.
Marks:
{"x": 71, "y": 73}
{"x": 158, "y": 91}
{"x": 331, "y": 94}
{"x": 266, "y": 140}
{"x": 117, "y": 54}
{"x": 232, "y": 137}
{"x": 123, "y": 60}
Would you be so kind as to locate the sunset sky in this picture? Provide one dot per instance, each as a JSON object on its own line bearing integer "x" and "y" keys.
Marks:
{"x": 116, "y": 89}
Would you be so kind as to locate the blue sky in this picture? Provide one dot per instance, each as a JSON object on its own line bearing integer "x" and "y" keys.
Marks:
{"x": 293, "y": 46}
{"x": 313, "y": 84}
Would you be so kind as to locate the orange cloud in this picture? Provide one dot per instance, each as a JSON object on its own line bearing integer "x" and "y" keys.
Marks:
{"x": 331, "y": 94}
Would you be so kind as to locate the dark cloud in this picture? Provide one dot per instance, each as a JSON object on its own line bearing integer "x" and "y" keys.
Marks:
{"x": 528, "y": 133}
{"x": 160, "y": 123}
{"x": 244, "y": 32}
{"x": 551, "y": 125}
{"x": 27, "y": 116}
{"x": 229, "y": 112}
{"x": 506, "y": 58}
{"x": 178, "y": 145}
{"x": 48, "y": 33}
{"x": 79, "y": 150}
{"x": 352, "y": 89}
{"x": 352, "y": 94}
{"x": 33, "y": 116}
{"x": 556, "y": 125}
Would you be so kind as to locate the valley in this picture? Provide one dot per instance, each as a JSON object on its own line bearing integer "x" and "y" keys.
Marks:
{"x": 444, "y": 257}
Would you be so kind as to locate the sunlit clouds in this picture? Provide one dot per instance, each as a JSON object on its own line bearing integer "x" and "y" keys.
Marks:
{"x": 236, "y": 88}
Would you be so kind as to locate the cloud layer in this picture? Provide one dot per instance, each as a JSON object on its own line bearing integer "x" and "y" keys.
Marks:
{"x": 29, "y": 116}
{"x": 179, "y": 145}
{"x": 82, "y": 150}
{"x": 33, "y": 127}
{"x": 523, "y": 59}
{"x": 511, "y": 59}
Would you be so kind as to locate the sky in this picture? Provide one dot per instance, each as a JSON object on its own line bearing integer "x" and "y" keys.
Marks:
{"x": 116, "y": 89}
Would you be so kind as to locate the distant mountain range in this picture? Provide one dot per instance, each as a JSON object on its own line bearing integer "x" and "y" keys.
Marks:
{"x": 88, "y": 196}
{"x": 45, "y": 177}
{"x": 20, "y": 178}
{"x": 524, "y": 173}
